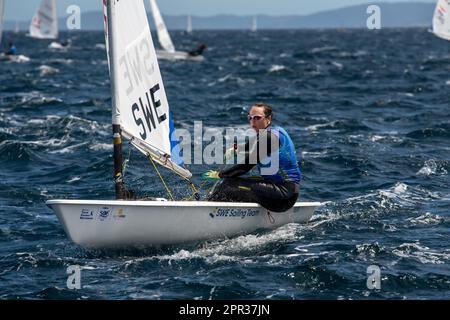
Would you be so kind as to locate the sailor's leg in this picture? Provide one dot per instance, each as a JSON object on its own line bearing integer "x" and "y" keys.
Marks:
{"x": 272, "y": 196}
{"x": 233, "y": 190}
{"x": 277, "y": 197}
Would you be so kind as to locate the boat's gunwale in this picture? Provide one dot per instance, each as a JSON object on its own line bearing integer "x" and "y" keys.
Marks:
{"x": 152, "y": 203}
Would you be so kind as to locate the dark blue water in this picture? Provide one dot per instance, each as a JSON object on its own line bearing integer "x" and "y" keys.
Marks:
{"x": 368, "y": 111}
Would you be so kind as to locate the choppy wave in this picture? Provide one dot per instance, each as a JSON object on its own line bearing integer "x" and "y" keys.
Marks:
{"x": 371, "y": 132}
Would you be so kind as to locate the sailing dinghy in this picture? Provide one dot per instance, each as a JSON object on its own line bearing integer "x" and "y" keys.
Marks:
{"x": 2, "y": 13}
{"x": 44, "y": 24}
{"x": 189, "y": 24}
{"x": 135, "y": 78}
{"x": 254, "y": 24}
{"x": 441, "y": 20}
{"x": 5, "y": 57}
{"x": 168, "y": 52}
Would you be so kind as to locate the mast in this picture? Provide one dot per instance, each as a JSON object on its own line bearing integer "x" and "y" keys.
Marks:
{"x": 55, "y": 17}
{"x": 117, "y": 132}
{"x": 189, "y": 24}
{"x": 254, "y": 24}
{"x": 2, "y": 10}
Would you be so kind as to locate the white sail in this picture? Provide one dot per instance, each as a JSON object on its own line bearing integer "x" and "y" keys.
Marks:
{"x": 2, "y": 11}
{"x": 163, "y": 34}
{"x": 441, "y": 19}
{"x": 189, "y": 24}
{"x": 140, "y": 104}
{"x": 254, "y": 24}
{"x": 44, "y": 24}
{"x": 17, "y": 28}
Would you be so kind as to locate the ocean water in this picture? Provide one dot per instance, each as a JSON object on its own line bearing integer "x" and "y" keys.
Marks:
{"x": 368, "y": 112}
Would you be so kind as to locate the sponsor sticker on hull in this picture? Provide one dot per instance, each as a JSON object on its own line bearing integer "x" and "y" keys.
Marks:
{"x": 87, "y": 214}
{"x": 104, "y": 213}
{"x": 234, "y": 213}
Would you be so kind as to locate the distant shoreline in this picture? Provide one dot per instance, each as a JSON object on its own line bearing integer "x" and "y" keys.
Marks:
{"x": 393, "y": 15}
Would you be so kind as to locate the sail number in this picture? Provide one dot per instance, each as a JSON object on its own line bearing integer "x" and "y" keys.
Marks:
{"x": 143, "y": 115}
{"x": 137, "y": 71}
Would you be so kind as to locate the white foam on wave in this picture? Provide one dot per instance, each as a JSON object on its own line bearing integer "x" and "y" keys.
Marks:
{"x": 44, "y": 143}
{"x": 304, "y": 249}
{"x": 322, "y": 49}
{"x": 276, "y": 68}
{"x": 310, "y": 154}
{"x": 372, "y": 204}
{"x": 69, "y": 149}
{"x": 316, "y": 127}
{"x": 431, "y": 167}
{"x": 233, "y": 249}
{"x": 231, "y": 78}
{"x": 101, "y": 146}
{"x": 426, "y": 219}
{"x": 35, "y": 97}
{"x": 337, "y": 65}
{"x": 375, "y": 138}
{"x": 225, "y": 78}
{"x": 87, "y": 126}
{"x": 62, "y": 61}
{"x": 421, "y": 253}
{"x": 73, "y": 179}
{"x": 45, "y": 70}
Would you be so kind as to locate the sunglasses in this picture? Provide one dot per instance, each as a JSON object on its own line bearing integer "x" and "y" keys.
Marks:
{"x": 256, "y": 118}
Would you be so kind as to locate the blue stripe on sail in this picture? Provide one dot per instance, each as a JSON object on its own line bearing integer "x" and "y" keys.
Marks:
{"x": 174, "y": 145}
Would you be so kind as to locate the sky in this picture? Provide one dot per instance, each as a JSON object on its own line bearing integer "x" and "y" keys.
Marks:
{"x": 24, "y": 9}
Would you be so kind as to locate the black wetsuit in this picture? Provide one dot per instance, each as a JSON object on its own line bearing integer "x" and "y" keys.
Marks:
{"x": 198, "y": 51}
{"x": 277, "y": 192}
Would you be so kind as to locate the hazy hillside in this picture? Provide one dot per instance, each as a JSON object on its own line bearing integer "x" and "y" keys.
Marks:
{"x": 392, "y": 15}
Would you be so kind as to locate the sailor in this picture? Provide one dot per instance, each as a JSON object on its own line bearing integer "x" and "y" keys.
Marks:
{"x": 198, "y": 51}
{"x": 12, "y": 50}
{"x": 276, "y": 189}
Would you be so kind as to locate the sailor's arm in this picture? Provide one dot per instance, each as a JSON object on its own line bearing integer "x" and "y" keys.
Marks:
{"x": 264, "y": 145}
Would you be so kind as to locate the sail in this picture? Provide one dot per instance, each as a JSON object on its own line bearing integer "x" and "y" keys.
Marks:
{"x": 140, "y": 104}
{"x": 17, "y": 28}
{"x": 2, "y": 11}
{"x": 44, "y": 24}
{"x": 163, "y": 34}
{"x": 441, "y": 19}
{"x": 189, "y": 24}
{"x": 254, "y": 24}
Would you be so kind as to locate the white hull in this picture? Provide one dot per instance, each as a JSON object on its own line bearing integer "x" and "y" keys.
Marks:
{"x": 14, "y": 58}
{"x": 57, "y": 45}
{"x": 117, "y": 223}
{"x": 177, "y": 55}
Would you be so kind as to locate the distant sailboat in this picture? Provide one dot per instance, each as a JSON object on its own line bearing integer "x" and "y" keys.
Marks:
{"x": 3, "y": 56}
{"x": 140, "y": 113}
{"x": 441, "y": 20}
{"x": 189, "y": 24}
{"x": 254, "y": 24}
{"x": 44, "y": 24}
{"x": 169, "y": 52}
{"x": 17, "y": 28}
{"x": 2, "y": 11}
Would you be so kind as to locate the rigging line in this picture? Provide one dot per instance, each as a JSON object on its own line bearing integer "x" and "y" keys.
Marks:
{"x": 160, "y": 176}
{"x": 127, "y": 160}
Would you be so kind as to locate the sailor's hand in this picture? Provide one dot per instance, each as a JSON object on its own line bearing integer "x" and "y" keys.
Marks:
{"x": 230, "y": 153}
{"x": 211, "y": 175}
